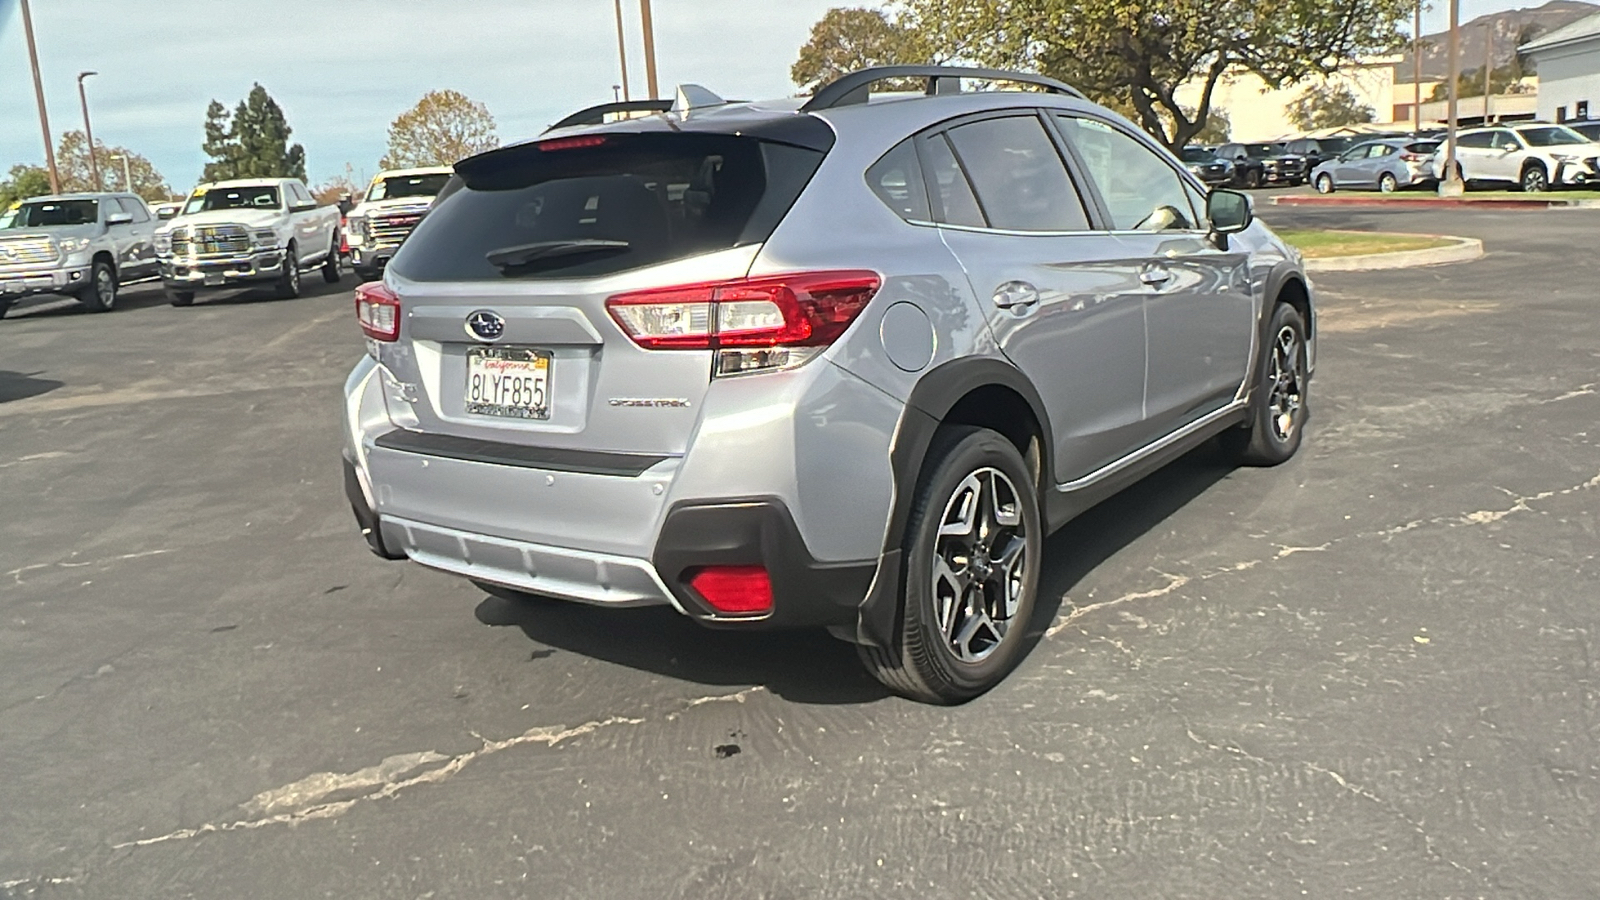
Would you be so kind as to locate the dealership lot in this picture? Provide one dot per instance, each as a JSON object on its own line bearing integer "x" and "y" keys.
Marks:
{"x": 1370, "y": 669}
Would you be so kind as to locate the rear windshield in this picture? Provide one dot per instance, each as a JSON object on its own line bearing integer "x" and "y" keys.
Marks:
{"x": 56, "y": 212}
{"x": 597, "y": 204}
{"x": 1422, "y": 146}
{"x": 407, "y": 186}
{"x": 232, "y": 198}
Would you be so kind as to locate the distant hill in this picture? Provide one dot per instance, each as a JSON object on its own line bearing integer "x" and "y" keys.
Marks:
{"x": 1510, "y": 28}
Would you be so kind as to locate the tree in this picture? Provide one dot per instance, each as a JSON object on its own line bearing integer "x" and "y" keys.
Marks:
{"x": 844, "y": 40}
{"x": 1217, "y": 129}
{"x": 1141, "y": 51}
{"x": 251, "y": 143}
{"x": 72, "y": 163}
{"x": 442, "y": 129}
{"x": 1328, "y": 106}
{"x": 331, "y": 191}
{"x": 22, "y": 182}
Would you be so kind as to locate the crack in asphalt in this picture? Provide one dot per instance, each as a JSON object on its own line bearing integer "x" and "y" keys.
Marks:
{"x": 1520, "y": 503}
{"x": 326, "y": 795}
{"x": 1347, "y": 785}
{"x": 17, "y": 573}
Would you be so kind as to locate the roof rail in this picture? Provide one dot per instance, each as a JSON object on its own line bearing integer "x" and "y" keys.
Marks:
{"x": 854, "y": 87}
{"x": 596, "y": 115}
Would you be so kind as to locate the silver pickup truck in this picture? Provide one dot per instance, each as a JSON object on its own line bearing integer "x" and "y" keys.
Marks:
{"x": 235, "y": 234}
{"x": 76, "y": 245}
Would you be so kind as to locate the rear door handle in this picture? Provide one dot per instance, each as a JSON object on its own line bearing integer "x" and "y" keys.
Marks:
{"x": 1018, "y": 295}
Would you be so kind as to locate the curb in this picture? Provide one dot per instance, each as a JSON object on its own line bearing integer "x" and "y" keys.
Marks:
{"x": 1463, "y": 250}
{"x": 1433, "y": 202}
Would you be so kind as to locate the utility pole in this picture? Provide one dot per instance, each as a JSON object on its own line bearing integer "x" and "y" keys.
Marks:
{"x": 1416, "y": 71}
{"x": 649, "y": 49}
{"x": 1488, "y": 65}
{"x": 1450, "y": 185}
{"x": 622, "y": 52}
{"x": 88, "y": 134}
{"x": 38, "y": 92}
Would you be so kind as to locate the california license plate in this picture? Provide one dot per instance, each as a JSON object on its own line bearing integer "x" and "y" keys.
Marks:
{"x": 508, "y": 381}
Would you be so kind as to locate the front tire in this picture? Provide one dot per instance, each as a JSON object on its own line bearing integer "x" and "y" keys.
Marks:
{"x": 1324, "y": 184}
{"x": 287, "y": 286}
{"x": 1534, "y": 180}
{"x": 100, "y": 294}
{"x": 5, "y": 306}
{"x": 330, "y": 266}
{"x": 1278, "y": 406}
{"x": 1252, "y": 178}
{"x": 972, "y": 557}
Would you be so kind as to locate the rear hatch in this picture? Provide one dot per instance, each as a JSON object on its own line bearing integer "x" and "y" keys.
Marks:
{"x": 505, "y": 334}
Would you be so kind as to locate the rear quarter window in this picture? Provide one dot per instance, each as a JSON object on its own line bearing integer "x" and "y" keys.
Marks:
{"x": 634, "y": 200}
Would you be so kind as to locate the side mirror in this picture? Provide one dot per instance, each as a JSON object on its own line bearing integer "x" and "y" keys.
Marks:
{"x": 165, "y": 214}
{"x": 1510, "y": 147}
{"x": 1229, "y": 211}
{"x": 119, "y": 219}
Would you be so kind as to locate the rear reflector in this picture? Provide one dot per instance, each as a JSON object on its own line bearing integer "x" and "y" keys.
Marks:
{"x": 735, "y": 590}
{"x": 378, "y": 311}
{"x": 804, "y": 309}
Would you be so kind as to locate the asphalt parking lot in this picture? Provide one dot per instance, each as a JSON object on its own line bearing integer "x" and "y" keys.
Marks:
{"x": 1371, "y": 671}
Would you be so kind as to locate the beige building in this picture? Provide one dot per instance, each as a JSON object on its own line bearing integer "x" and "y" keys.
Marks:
{"x": 1259, "y": 112}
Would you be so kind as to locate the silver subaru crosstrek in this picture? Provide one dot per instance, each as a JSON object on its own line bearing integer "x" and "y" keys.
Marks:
{"x": 841, "y": 362}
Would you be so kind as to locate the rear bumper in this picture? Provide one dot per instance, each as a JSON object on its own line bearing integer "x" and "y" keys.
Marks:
{"x": 25, "y": 282}
{"x": 246, "y": 268}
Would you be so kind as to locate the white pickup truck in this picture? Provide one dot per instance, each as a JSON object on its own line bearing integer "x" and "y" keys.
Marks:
{"x": 234, "y": 234}
{"x": 393, "y": 205}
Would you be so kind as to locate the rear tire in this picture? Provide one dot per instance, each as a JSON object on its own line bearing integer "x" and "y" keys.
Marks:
{"x": 972, "y": 557}
{"x": 1252, "y": 178}
{"x": 287, "y": 286}
{"x": 180, "y": 298}
{"x": 1278, "y": 407}
{"x": 330, "y": 266}
{"x": 1387, "y": 183}
{"x": 1324, "y": 184}
{"x": 100, "y": 294}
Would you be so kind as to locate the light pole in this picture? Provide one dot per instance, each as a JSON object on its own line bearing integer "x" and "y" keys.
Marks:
{"x": 38, "y": 92}
{"x": 649, "y": 49}
{"x": 1416, "y": 71}
{"x": 622, "y": 52}
{"x": 1450, "y": 185}
{"x": 1488, "y": 65}
{"x": 127, "y": 174}
{"x": 88, "y": 134}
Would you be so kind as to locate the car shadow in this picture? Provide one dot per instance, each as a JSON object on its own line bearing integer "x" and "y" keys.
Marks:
{"x": 1097, "y": 535}
{"x": 811, "y": 666}
{"x": 21, "y": 386}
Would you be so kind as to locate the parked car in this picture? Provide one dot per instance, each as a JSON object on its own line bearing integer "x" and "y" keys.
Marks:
{"x": 391, "y": 208}
{"x": 1589, "y": 129}
{"x": 167, "y": 210}
{"x": 235, "y": 234}
{"x": 1267, "y": 163}
{"x": 1207, "y": 166}
{"x": 1532, "y": 155}
{"x": 86, "y": 246}
{"x": 1386, "y": 165}
{"x": 1319, "y": 150}
{"x": 780, "y": 367}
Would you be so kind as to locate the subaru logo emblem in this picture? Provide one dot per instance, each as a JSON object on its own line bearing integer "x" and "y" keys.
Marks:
{"x": 486, "y": 325}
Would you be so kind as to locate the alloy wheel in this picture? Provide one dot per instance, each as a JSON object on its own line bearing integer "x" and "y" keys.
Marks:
{"x": 980, "y": 564}
{"x": 105, "y": 287}
{"x": 1534, "y": 181}
{"x": 1287, "y": 396}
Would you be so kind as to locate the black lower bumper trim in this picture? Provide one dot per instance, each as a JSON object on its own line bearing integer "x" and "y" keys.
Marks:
{"x": 586, "y": 462}
{"x": 759, "y": 531}
{"x": 366, "y": 517}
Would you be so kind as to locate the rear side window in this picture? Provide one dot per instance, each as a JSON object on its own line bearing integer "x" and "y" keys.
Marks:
{"x": 1018, "y": 175}
{"x": 948, "y": 184}
{"x": 600, "y": 204}
{"x": 897, "y": 180}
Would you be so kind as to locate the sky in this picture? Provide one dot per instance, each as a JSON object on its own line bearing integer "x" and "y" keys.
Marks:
{"x": 343, "y": 69}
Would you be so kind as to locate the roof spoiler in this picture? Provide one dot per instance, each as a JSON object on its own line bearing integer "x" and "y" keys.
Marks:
{"x": 854, "y": 88}
{"x": 596, "y": 115}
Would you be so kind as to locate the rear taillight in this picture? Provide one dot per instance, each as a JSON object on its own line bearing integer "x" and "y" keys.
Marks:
{"x": 734, "y": 590}
{"x": 378, "y": 311}
{"x": 1408, "y": 156}
{"x": 755, "y": 324}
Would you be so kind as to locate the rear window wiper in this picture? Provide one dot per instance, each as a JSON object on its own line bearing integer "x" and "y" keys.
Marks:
{"x": 527, "y": 254}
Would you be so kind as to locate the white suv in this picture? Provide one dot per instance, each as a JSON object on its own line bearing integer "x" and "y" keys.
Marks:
{"x": 1533, "y": 155}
